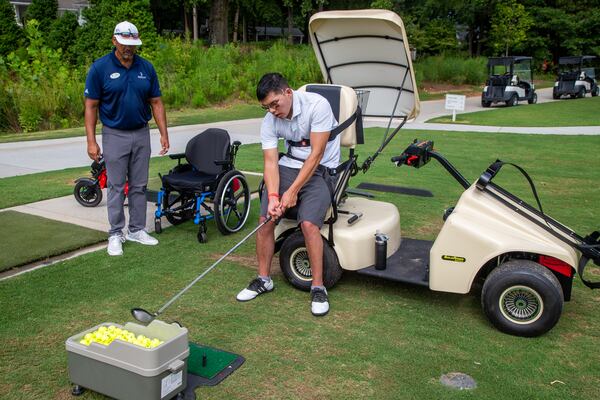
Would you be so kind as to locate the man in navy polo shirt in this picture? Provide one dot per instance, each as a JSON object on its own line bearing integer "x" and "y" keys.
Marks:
{"x": 123, "y": 88}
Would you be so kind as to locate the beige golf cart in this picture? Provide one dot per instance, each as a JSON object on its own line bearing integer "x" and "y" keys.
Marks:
{"x": 525, "y": 259}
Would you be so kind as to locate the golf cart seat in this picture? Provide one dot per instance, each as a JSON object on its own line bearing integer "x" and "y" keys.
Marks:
{"x": 208, "y": 175}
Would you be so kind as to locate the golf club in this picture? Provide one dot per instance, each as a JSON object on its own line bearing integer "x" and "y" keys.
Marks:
{"x": 145, "y": 317}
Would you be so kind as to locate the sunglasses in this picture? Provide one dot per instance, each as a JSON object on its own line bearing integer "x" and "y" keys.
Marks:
{"x": 128, "y": 35}
{"x": 272, "y": 105}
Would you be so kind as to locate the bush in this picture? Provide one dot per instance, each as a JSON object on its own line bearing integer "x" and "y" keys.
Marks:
{"x": 41, "y": 88}
{"x": 452, "y": 69}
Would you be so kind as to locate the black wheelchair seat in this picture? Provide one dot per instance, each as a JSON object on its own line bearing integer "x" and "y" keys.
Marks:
{"x": 190, "y": 180}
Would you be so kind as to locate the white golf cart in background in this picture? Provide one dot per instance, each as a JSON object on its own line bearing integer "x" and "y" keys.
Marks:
{"x": 510, "y": 81}
{"x": 524, "y": 258}
{"x": 576, "y": 77}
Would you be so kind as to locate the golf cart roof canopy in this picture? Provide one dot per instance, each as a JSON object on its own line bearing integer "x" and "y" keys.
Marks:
{"x": 367, "y": 49}
{"x": 506, "y": 60}
{"x": 574, "y": 60}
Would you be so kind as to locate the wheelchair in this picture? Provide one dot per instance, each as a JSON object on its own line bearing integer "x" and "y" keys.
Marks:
{"x": 209, "y": 176}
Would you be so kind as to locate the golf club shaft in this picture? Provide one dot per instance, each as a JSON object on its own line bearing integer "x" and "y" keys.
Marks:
{"x": 185, "y": 289}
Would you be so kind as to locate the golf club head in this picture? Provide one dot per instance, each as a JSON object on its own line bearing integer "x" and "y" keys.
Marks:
{"x": 142, "y": 315}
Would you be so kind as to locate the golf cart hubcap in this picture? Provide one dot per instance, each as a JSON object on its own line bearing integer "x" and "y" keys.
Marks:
{"x": 521, "y": 304}
{"x": 301, "y": 264}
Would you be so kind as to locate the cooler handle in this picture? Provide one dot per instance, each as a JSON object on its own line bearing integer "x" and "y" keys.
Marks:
{"x": 176, "y": 366}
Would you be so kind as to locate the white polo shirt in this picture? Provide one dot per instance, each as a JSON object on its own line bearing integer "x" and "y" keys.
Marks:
{"x": 311, "y": 112}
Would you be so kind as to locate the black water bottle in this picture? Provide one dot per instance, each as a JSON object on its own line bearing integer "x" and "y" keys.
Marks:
{"x": 381, "y": 251}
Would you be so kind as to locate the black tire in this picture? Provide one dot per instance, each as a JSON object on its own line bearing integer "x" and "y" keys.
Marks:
{"x": 186, "y": 212}
{"x": 595, "y": 91}
{"x": 295, "y": 265}
{"x": 581, "y": 93}
{"x": 533, "y": 99}
{"x": 232, "y": 205}
{"x": 555, "y": 95}
{"x": 522, "y": 298}
{"x": 513, "y": 101}
{"x": 87, "y": 193}
{"x": 485, "y": 103}
{"x": 157, "y": 225}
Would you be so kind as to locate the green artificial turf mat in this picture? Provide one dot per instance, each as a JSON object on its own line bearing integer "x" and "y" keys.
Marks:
{"x": 27, "y": 238}
{"x": 207, "y": 362}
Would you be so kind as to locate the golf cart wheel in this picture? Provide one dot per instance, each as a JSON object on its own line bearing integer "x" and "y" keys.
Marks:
{"x": 555, "y": 95}
{"x": 295, "y": 264}
{"x": 186, "y": 206}
{"x": 232, "y": 202}
{"x": 485, "y": 103}
{"x": 533, "y": 99}
{"x": 522, "y": 298}
{"x": 87, "y": 193}
{"x": 513, "y": 101}
{"x": 157, "y": 225}
{"x": 581, "y": 93}
{"x": 596, "y": 91}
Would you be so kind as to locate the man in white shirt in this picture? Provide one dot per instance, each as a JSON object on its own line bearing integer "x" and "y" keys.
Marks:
{"x": 300, "y": 178}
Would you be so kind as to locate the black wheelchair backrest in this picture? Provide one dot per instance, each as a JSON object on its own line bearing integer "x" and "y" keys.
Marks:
{"x": 207, "y": 147}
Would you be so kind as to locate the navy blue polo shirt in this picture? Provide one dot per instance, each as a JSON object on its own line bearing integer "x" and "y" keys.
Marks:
{"x": 124, "y": 94}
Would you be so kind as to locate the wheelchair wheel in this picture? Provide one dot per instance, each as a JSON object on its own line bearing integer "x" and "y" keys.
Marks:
{"x": 185, "y": 210}
{"x": 232, "y": 202}
{"x": 87, "y": 193}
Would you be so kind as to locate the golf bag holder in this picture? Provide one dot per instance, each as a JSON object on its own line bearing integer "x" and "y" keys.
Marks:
{"x": 189, "y": 186}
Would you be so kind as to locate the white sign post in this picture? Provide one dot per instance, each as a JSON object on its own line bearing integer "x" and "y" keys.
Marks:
{"x": 455, "y": 102}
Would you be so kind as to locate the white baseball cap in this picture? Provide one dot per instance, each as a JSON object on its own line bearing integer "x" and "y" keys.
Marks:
{"x": 127, "y": 34}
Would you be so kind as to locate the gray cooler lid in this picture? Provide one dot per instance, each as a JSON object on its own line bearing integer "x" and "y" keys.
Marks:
{"x": 134, "y": 358}
{"x": 367, "y": 49}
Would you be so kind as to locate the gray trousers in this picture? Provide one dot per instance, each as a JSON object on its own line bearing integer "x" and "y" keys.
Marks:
{"x": 127, "y": 156}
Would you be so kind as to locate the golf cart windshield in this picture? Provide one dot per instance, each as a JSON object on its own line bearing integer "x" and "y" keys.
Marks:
{"x": 522, "y": 70}
{"x": 578, "y": 64}
{"x": 511, "y": 66}
{"x": 368, "y": 49}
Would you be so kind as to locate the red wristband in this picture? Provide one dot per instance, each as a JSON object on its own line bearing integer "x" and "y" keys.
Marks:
{"x": 274, "y": 195}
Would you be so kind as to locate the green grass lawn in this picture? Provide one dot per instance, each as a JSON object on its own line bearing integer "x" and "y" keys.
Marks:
{"x": 31, "y": 238}
{"x": 174, "y": 118}
{"x": 569, "y": 112}
{"x": 381, "y": 340}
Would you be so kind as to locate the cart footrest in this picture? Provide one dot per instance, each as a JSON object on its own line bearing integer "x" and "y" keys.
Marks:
{"x": 410, "y": 264}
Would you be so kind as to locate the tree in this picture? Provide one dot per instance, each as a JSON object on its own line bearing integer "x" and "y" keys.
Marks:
{"x": 62, "y": 34}
{"x": 218, "y": 22}
{"x": 11, "y": 36}
{"x": 44, "y": 11}
{"x": 510, "y": 24}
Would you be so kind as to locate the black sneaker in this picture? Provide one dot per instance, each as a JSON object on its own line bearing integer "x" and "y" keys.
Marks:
{"x": 255, "y": 288}
{"x": 319, "y": 305}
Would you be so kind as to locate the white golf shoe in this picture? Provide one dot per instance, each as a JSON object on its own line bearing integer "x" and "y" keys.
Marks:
{"x": 115, "y": 245}
{"x": 142, "y": 237}
{"x": 254, "y": 289}
{"x": 319, "y": 303}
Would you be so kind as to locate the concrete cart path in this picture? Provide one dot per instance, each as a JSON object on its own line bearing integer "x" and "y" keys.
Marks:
{"x": 67, "y": 209}
{"x": 21, "y": 158}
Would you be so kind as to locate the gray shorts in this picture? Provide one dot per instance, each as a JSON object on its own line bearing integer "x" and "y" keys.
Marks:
{"x": 314, "y": 199}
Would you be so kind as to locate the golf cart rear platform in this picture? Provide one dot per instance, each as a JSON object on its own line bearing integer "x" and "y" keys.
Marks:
{"x": 410, "y": 264}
